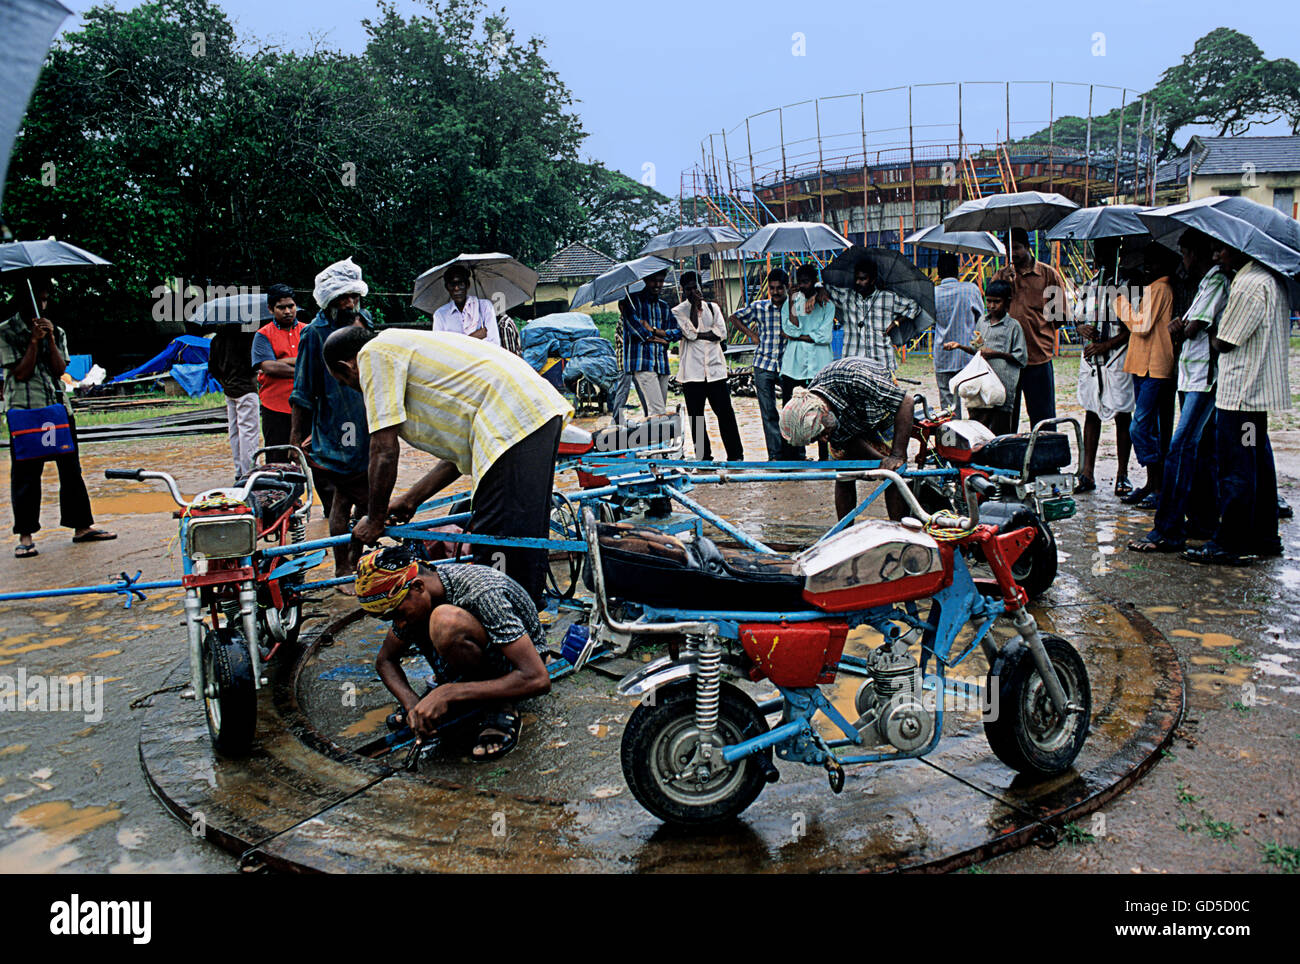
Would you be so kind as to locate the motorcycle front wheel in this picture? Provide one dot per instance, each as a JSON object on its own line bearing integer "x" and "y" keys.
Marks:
{"x": 230, "y": 703}
{"x": 1025, "y": 731}
{"x": 660, "y": 742}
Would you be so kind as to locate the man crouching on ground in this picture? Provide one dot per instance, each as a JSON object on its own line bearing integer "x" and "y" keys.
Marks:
{"x": 478, "y": 630}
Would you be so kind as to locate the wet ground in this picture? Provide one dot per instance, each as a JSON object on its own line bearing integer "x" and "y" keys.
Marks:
{"x": 1224, "y": 798}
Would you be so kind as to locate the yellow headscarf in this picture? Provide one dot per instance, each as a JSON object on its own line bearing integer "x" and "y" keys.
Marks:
{"x": 384, "y": 578}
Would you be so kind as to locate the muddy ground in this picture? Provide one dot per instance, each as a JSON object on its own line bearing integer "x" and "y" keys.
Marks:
{"x": 1225, "y": 799}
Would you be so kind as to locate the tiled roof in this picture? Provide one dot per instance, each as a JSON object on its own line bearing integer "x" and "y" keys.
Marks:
{"x": 577, "y": 261}
{"x": 1226, "y": 155}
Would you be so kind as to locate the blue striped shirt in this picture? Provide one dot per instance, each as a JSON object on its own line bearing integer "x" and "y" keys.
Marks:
{"x": 765, "y": 318}
{"x": 640, "y": 314}
{"x": 954, "y": 321}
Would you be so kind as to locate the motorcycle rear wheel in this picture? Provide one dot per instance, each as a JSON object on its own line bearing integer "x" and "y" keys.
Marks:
{"x": 1028, "y": 734}
{"x": 1035, "y": 570}
{"x": 660, "y": 739}
{"x": 231, "y": 710}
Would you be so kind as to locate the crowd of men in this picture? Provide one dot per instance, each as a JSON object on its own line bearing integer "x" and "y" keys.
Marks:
{"x": 1211, "y": 331}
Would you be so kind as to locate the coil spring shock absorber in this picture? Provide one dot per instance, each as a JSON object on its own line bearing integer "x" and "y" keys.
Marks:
{"x": 708, "y": 686}
{"x": 297, "y": 528}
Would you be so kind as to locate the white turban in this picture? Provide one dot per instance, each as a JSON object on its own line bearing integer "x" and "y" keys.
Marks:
{"x": 340, "y": 278}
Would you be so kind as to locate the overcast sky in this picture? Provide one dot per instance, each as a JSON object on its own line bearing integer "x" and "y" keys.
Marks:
{"x": 653, "y": 79}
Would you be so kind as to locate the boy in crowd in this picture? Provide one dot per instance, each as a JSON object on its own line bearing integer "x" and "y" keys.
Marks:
{"x": 1000, "y": 339}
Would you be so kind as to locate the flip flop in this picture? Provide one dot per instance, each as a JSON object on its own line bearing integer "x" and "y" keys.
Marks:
{"x": 1155, "y": 545}
{"x": 95, "y": 535}
{"x": 1123, "y": 486}
{"x": 501, "y": 728}
{"x": 1085, "y": 483}
{"x": 25, "y": 552}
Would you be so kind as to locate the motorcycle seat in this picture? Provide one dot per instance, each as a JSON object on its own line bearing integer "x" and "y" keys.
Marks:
{"x": 1007, "y": 452}
{"x": 646, "y": 565}
{"x": 270, "y": 504}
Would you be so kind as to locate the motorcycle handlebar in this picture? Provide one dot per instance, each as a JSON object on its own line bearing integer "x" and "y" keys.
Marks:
{"x": 133, "y": 474}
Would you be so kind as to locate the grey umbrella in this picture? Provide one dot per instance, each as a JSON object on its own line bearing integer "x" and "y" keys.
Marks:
{"x": 615, "y": 282}
{"x": 894, "y": 272}
{"x": 497, "y": 277}
{"x": 791, "y": 237}
{"x": 27, "y": 27}
{"x": 958, "y": 242}
{"x": 1030, "y": 210}
{"x": 248, "y": 309}
{"x": 1104, "y": 221}
{"x": 28, "y": 256}
{"x": 1264, "y": 234}
{"x": 1268, "y": 235}
{"x": 691, "y": 242}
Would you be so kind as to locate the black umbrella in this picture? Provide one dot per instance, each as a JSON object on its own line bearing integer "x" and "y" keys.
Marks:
{"x": 894, "y": 272}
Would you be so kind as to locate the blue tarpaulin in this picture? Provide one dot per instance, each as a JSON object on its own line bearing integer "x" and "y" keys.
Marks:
{"x": 183, "y": 350}
{"x": 185, "y": 360}
{"x": 573, "y": 336}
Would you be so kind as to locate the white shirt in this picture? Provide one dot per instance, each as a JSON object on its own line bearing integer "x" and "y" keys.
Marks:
{"x": 701, "y": 360}
{"x": 478, "y": 313}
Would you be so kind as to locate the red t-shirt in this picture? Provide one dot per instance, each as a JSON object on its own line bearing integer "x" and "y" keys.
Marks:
{"x": 273, "y": 390}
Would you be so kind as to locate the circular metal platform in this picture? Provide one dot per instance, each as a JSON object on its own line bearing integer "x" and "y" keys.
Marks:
{"x": 306, "y": 801}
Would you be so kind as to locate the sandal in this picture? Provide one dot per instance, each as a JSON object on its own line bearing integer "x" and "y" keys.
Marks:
{"x": 95, "y": 535}
{"x": 502, "y": 729}
{"x": 25, "y": 552}
{"x": 1155, "y": 545}
{"x": 1084, "y": 483}
{"x": 1123, "y": 486}
{"x": 1152, "y": 501}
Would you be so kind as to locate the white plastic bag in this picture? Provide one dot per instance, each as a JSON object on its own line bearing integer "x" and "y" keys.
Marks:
{"x": 978, "y": 385}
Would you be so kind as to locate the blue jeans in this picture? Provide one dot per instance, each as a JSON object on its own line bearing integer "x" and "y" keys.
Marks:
{"x": 1153, "y": 396}
{"x": 766, "y": 386}
{"x": 1247, "y": 483}
{"x": 1182, "y": 467}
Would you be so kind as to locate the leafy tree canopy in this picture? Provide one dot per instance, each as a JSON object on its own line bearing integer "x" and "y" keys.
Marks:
{"x": 160, "y": 140}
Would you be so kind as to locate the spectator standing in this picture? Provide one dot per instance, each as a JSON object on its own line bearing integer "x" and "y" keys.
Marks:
{"x": 702, "y": 369}
{"x": 230, "y": 362}
{"x": 761, "y": 322}
{"x": 34, "y": 356}
{"x": 1033, "y": 285}
{"x": 1253, "y": 342}
{"x": 957, "y": 306}
{"x": 275, "y": 355}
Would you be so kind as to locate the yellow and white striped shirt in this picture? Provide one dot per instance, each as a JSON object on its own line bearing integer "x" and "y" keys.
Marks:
{"x": 1257, "y": 319}
{"x": 457, "y": 398}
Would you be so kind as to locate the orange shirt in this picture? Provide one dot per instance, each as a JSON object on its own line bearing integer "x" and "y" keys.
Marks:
{"x": 1031, "y": 292}
{"x": 1150, "y": 349}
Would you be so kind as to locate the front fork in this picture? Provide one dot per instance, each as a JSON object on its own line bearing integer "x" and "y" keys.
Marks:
{"x": 1027, "y": 626}
{"x": 248, "y": 614}
{"x": 194, "y": 625}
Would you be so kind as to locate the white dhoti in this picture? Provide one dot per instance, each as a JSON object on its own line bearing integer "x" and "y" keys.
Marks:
{"x": 1105, "y": 389}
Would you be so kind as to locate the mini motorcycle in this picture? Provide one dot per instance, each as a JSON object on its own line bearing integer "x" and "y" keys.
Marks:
{"x": 241, "y": 606}
{"x": 1028, "y": 484}
{"x": 698, "y": 749}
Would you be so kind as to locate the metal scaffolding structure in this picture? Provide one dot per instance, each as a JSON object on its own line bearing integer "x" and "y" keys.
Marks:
{"x": 881, "y": 164}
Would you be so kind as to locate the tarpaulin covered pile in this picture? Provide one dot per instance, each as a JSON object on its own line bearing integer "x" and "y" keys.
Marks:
{"x": 185, "y": 360}
{"x": 573, "y": 336}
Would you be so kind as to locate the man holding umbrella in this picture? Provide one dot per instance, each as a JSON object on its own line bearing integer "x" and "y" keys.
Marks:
{"x": 1253, "y": 342}
{"x": 34, "y": 355}
{"x": 1033, "y": 284}
{"x": 463, "y": 314}
{"x": 648, "y": 327}
{"x": 867, "y": 313}
{"x": 230, "y": 361}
